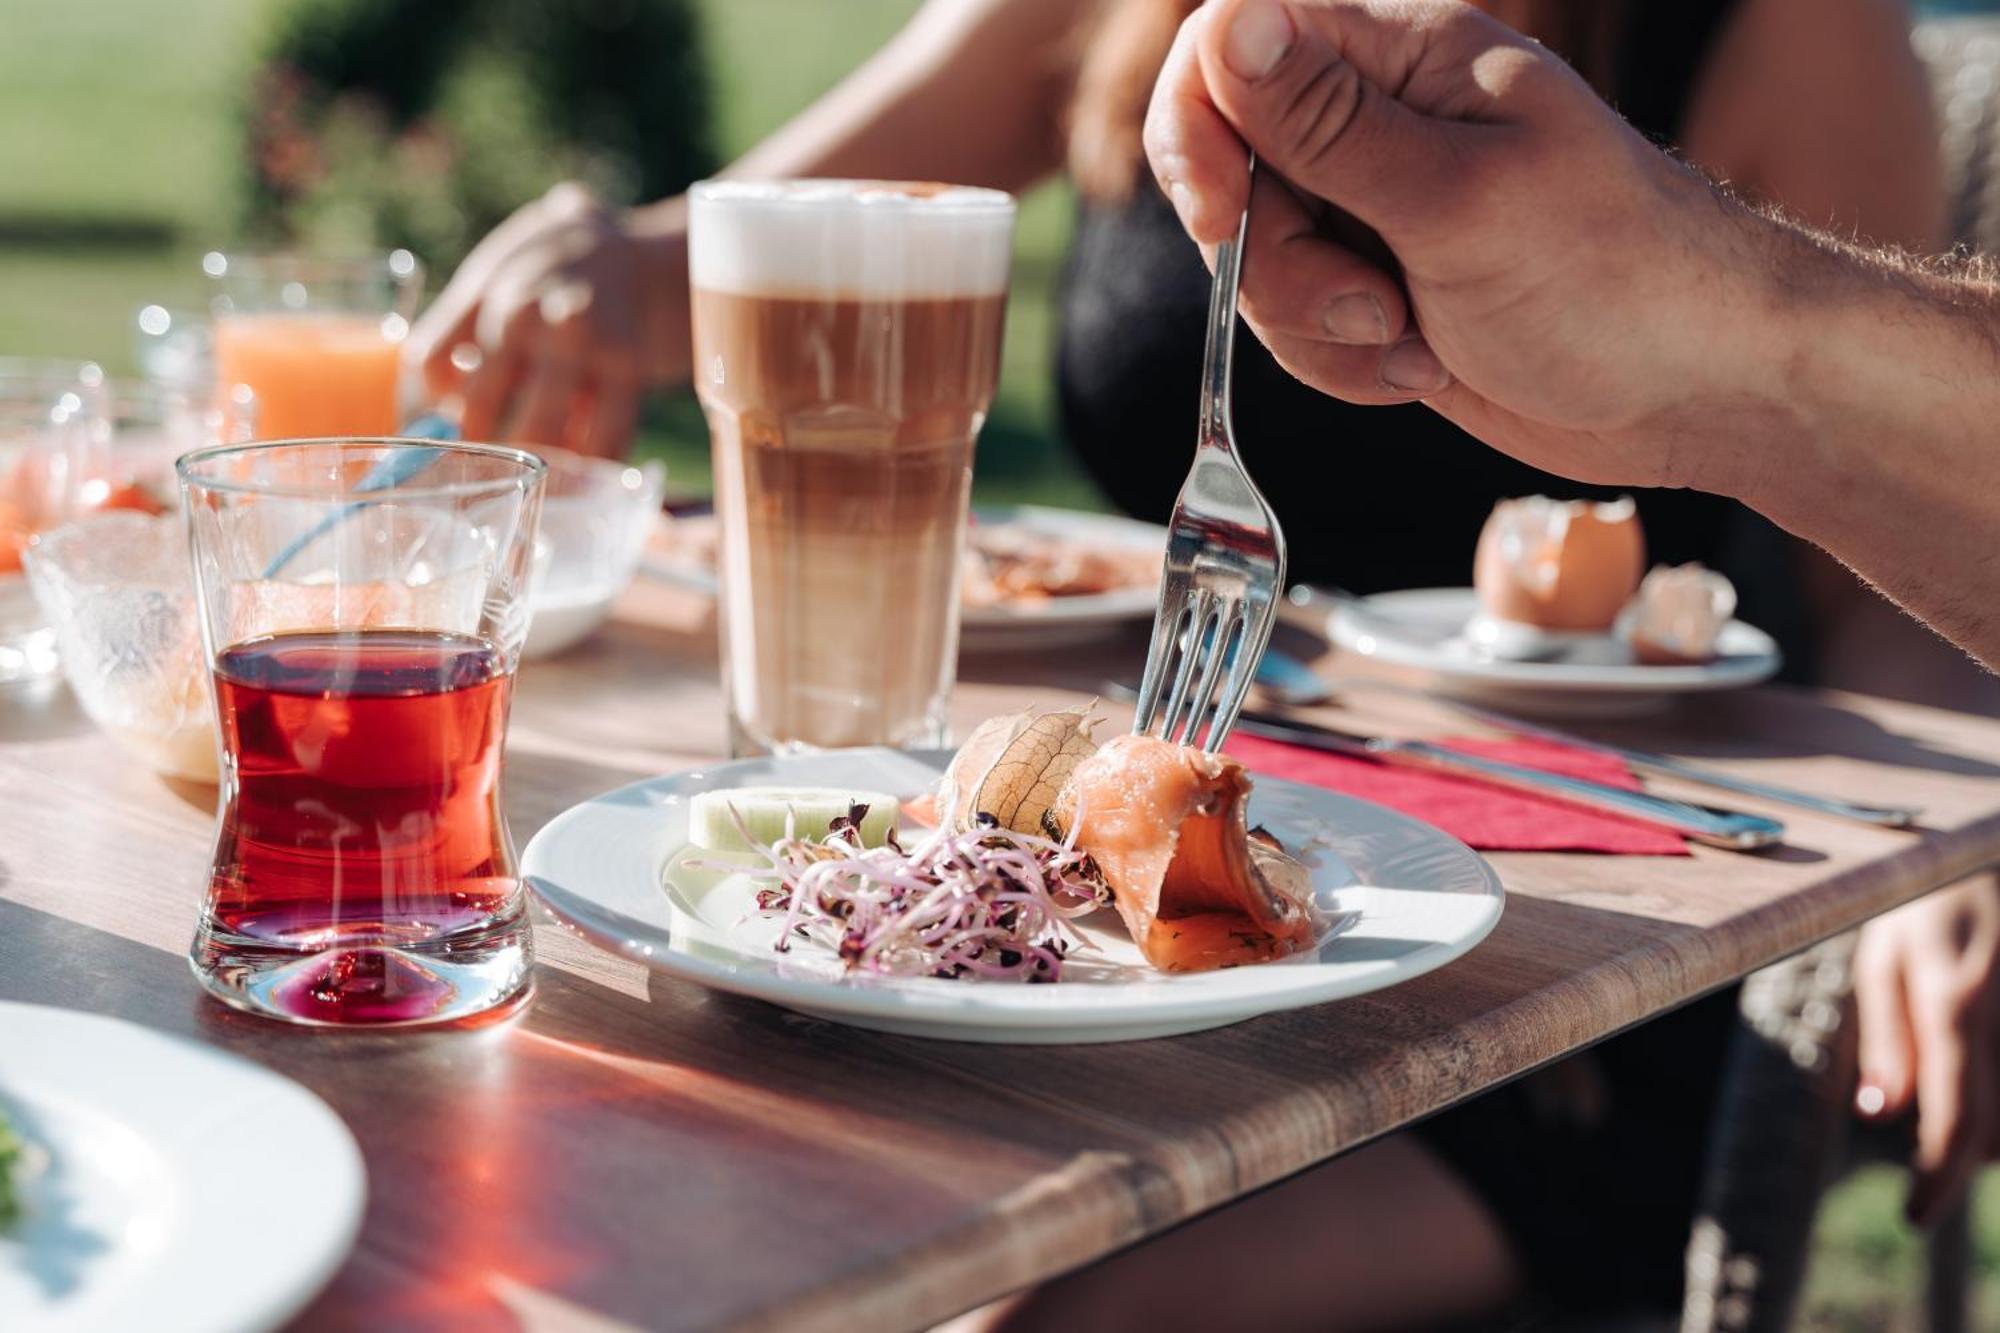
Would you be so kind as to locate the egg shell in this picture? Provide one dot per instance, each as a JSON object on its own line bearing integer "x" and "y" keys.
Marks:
{"x": 1568, "y": 566}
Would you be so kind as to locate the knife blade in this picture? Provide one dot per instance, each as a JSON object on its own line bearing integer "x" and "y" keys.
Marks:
{"x": 1882, "y": 816}
{"x": 1710, "y": 825}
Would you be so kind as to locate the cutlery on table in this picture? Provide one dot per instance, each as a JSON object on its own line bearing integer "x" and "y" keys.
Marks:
{"x": 1886, "y": 816}
{"x": 1296, "y": 685}
{"x": 1705, "y": 824}
{"x": 1225, "y": 564}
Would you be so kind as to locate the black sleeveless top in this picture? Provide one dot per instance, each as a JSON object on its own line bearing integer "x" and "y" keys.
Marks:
{"x": 1371, "y": 498}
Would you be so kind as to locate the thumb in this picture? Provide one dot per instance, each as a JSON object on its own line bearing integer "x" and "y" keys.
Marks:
{"x": 1303, "y": 84}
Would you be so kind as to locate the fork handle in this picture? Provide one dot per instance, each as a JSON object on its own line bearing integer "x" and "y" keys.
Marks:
{"x": 1716, "y": 828}
{"x": 1219, "y": 356}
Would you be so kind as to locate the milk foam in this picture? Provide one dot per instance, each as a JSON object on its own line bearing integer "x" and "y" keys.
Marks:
{"x": 848, "y": 239}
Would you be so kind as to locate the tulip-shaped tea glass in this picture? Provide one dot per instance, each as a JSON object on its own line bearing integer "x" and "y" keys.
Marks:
{"x": 362, "y": 609}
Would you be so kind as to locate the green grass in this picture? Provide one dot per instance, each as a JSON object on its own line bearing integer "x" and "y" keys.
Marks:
{"x": 120, "y": 111}
{"x": 124, "y": 115}
{"x": 1867, "y": 1273}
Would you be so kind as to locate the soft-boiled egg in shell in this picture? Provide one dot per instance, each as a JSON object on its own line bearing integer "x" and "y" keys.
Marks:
{"x": 1567, "y": 565}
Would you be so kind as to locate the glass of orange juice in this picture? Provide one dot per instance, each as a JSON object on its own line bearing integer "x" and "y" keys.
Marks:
{"x": 318, "y": 341}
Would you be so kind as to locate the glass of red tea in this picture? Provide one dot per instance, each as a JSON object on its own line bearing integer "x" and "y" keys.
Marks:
{"x": 363, "y": 605}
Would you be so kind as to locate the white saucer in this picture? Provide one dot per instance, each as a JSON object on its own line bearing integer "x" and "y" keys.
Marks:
{"x": 1057, "y": 622}
{"x": 182, "y": 1187}
{"x": 1061, "y": 621}
{"x": 1400, "y": 898}
{"x": 1423, "y": 628}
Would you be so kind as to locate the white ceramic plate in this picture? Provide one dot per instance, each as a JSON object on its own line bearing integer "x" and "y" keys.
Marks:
{"x": 1400, "y": 898}
{"x": 1054, "y": 623}
{"x": 1420, "y": 629}
{"x": 182, "y": 1187}
{"x": 1065, "y": 620}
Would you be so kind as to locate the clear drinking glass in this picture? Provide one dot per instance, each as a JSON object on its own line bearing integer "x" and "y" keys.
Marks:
{"x": 362, "y": 610}
{"x": 54, "y": 430}
{"x": 846, "y": 343}
{"x": 153, "y": 424}
{"x": 318, "y": 340}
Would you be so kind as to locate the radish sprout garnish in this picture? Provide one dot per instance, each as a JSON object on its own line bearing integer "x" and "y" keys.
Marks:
{"x": 987, "y": 903}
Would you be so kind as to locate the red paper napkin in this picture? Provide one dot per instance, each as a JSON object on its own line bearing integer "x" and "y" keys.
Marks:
{"x": 1491, "y": 819}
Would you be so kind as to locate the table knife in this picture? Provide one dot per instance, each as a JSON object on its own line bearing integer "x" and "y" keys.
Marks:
{"x": 1291, "y": 682}
{"x": 1705, "y": 824}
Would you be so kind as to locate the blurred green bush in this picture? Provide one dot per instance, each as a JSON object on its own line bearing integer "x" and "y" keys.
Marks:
{"x": 375, "y": 123}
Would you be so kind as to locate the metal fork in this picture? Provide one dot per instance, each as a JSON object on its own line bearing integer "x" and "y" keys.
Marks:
{"x": 1225, "y": 568}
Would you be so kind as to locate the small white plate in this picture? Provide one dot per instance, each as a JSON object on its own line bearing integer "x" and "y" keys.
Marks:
{"x": 1421, "y": 628}
{"x": 181, "y": 1187}
{"x": 1061, "y": 621}
{"x": 1400, "y": 899}
{"x": 1055, "y": 623}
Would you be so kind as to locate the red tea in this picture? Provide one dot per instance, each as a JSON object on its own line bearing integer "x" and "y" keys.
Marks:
{"x": 366, "y": 788}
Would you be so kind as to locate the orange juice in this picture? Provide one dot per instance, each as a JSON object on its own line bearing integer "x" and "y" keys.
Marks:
{"x": 313, "y": 374}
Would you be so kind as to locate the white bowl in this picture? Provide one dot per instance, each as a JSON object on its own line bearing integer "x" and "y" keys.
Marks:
{"x": 596, "y": 516}
{"x": 119, "y": 592}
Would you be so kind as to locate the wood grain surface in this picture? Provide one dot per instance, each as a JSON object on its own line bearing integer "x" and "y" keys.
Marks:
{"x": 631, "y": 1151}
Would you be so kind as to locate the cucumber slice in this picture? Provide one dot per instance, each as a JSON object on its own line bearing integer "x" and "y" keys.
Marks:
{"x": 765, "y": 810}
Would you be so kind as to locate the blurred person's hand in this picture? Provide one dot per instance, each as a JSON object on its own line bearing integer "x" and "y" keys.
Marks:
{"x": 1927, "y": 992}
{"x": 558, "y": 321}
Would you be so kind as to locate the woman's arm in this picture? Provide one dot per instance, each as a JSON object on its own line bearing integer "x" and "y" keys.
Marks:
{"x": 1822, "y": 108}
{"x": 574, "y": 309}
{"x": 970, "y": 91}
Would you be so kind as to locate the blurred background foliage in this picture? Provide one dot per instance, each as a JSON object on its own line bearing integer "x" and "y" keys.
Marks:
{"x": 379, "y": 122}
{"x": 141, "y": 133}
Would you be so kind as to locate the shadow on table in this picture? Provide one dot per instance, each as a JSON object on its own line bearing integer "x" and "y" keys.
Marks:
{"x": 42, "y": 710}
{"x": 541, "y": 786}
{"x": 1788, "y": 853}
{"x": 1741, "y": 726}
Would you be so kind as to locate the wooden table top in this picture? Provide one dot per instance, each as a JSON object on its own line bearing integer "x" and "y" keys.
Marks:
{"x": 634, "y": 1151}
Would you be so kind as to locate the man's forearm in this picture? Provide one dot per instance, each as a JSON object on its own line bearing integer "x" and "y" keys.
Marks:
{"x": 1884, "y": 445}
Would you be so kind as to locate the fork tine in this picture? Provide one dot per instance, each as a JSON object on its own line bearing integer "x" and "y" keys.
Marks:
{"x": 1229, "y": 612}
{"x": 1190, "y": 658}
{"x": 1229, "y": 635}
{"x": 1259, "y": 617}
{"x": 1204, "y": 640}
{"x": 1167, "y": 629}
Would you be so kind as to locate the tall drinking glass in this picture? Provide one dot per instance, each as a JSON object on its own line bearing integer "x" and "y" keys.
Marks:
{"x": 362, "y": 642}
{"x": 318, "y": 341}
{"x": 846, "y": 342}
{"x": 54, "y": 430}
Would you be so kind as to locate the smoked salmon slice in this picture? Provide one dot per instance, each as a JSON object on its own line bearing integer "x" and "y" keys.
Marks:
{"x": 1167, "y": 828}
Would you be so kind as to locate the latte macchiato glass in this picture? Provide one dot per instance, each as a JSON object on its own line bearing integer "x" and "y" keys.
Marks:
{"x": 846, "y": 346}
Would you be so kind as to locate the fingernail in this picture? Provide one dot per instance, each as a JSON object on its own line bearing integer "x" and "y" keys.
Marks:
{"x": 1182, "y": 199}
{"x": 1357, "y": 318}
{"x": 1412, "y": 367}
{"x": 1257, "y": 39}
{"x": 1869, "y": 1100}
